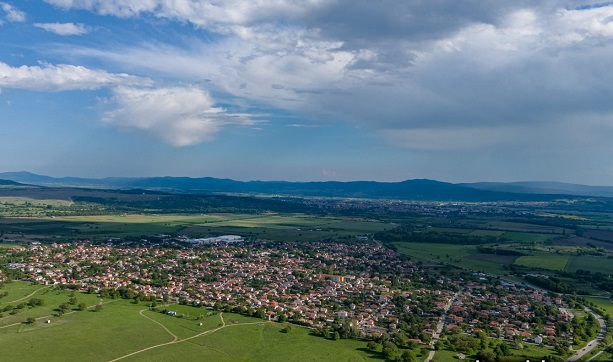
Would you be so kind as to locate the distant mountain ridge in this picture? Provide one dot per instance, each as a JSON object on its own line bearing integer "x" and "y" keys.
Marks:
{"x": 544, "y": 187}
{"x": 9, "y": 183}
{"x": 418, "y": 189}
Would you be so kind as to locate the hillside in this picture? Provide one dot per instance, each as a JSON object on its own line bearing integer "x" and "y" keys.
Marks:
{"x": 419, "y": 189}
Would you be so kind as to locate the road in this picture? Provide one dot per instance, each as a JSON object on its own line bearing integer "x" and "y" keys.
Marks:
{"x": 439, "y": 327}
{"x": 592, "y": 344}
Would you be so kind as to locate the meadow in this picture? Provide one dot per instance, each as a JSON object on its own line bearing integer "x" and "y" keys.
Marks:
{"x": 131, "y": 332}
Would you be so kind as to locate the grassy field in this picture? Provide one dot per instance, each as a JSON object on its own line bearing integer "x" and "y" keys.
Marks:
{"x": 258, "y": 342}
{"x": 465, "y": 256}
{"x": 592, "y": 263}
{"x": 548, "y": 261}
{"x": 606, "y": 304}
{"x": 131, "y": 332}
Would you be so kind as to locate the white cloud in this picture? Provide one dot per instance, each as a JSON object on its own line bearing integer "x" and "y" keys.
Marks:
{"x": 62, "y": 77}
{"x": 181, "y": 116}
{"x": 64, "y": 28}
{"x": 221, "y": 15}
{"x": 442, "y": 75}
{"x": 12, "y": 14}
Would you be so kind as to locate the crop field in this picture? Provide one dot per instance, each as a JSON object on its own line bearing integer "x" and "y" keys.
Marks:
{"x": 130, "y": 332}
{"x": 522, "y": 237}
{"x": 493, "y": 233}
{"x": 595, "y": 264}
{"x": 523, "y": 227}
{"x": 465, "y": 256}
{"x": 548, "y": 261}
{"x": 282, "y": 227}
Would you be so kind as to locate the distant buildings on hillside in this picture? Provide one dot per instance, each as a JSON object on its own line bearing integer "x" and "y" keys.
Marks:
{"x": 214, "y": 240}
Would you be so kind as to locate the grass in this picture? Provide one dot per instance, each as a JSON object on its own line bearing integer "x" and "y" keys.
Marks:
{"x": 464, "y": 256}
{"x": 604, "y": 303}
{"x": 523, "y": 237}
{"x": 604, "y": 357}
{"x": 265, "y": 343}
{"x": 494, "y": 233}
{"x": 546, "y": 261}
{"x": 122, "y": 328}
{"x": 52, "y": 300}
{"x": 595, "y": 264}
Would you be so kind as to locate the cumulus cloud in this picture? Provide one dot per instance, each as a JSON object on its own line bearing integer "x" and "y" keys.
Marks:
{"x": 431, "y": 70}
{"x": 62, "y": 77}
{"x": 64, "y": 28}
{"x": 11, "y": 13}
{"x": 181, "y": 116}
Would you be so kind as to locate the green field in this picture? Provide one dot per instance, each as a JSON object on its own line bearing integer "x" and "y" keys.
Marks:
{"x": 522, "y": 237}
{"x": 464, "y": 256}
{"x": 595, "y": 264}
{"x": 281, "y": 227}
{"x": 606, "y": 304}
{"x": 549, "y": 261}
{"x": 131, "y": 332}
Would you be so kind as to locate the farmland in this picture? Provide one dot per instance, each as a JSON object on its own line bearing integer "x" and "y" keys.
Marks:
{"x": 272, "y": 226}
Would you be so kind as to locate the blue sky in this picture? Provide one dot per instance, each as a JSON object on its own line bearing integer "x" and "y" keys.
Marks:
{"x": 308, "y": 90}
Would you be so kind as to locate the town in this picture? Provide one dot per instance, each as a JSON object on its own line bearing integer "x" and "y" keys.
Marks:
{"x": 354, "y": 289}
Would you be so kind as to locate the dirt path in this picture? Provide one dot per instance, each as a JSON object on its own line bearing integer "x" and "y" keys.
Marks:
{"x": 177, "y": 340}
{"x": 161, "y": 325}
{"x": 28, "y": 296}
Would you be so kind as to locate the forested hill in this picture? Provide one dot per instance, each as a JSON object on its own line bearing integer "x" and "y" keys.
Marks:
{"x": 420, "y": 189}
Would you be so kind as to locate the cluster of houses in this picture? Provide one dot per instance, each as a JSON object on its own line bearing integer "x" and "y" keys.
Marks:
{"x": 509, "y": 311}
{"x": 317, "y": 284}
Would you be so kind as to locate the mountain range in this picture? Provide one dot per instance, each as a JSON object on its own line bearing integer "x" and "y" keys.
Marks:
{"x": 418, "y": 189}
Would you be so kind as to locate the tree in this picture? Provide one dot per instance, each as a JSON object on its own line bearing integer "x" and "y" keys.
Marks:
{"x": 82, "y": 306}
{"x": 30, "y": 320}
{"x": 486, "y": 356}
{"x": 98, "y": 307}
{"x": 390, "y": 350}
{"x": 373, "y": 346}
{"x": 401, "y": 339}
{"x": 408, "y": 356}
{"x": 62, "y": 309}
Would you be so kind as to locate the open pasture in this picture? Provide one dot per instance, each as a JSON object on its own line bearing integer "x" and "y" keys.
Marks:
{"x": 131, "y": 332}
{"x": 266, "y": 343}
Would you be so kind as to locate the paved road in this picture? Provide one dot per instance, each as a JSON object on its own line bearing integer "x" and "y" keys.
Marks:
{"x": 439, "y": 327}
{"x": 592, "y": 344}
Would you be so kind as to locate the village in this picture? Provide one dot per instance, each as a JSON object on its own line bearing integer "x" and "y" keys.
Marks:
{"x": 364, "y": 290}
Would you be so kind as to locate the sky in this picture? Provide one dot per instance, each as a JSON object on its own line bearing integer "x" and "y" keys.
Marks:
{"x": 310, "y": 90}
